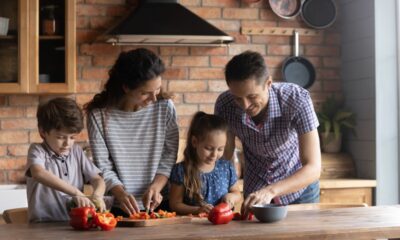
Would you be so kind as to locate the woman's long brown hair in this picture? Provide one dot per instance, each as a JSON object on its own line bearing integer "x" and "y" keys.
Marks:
{"x": 201, "y": 125}
{"x": 132, "y": 69}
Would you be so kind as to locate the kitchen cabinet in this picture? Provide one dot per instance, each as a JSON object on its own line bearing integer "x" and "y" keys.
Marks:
{"x": 347, "y": 191}
{"x": 38, "y": 54}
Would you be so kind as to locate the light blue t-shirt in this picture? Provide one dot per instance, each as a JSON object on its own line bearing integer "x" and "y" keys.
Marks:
{"x": 215, "y": 184}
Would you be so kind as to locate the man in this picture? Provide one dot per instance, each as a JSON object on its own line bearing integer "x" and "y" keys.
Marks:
{"x": 277, "y": 126}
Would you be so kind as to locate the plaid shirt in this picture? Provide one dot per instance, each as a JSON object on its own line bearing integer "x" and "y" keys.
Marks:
{"x": 271, "y": 149}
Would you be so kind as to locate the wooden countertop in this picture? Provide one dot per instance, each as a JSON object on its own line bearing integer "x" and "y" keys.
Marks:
{"x": 339, "y": 223}
{"x": 337, "y": 183}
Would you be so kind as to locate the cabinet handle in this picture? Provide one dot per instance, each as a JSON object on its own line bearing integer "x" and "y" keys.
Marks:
{"x": 322, "y": 192}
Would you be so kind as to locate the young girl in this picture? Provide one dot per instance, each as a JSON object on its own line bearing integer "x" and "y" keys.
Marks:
{"x": 203, "y": 179}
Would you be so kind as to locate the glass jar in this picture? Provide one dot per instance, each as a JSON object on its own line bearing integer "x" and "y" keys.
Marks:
{"x": 49, "y": 23}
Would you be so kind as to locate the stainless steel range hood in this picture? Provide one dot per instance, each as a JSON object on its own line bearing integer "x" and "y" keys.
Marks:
{"x": 165, "y": 22}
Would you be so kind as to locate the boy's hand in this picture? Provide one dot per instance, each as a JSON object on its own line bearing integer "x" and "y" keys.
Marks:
{"x": 98, "y": 201}
{"x": 83, "y": 201}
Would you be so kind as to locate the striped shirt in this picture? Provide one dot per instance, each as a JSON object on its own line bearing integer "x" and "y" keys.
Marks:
{"x": 132, "y": 147}
{"x": 271, "y": 149}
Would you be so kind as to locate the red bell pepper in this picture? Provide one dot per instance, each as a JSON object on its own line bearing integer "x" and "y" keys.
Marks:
{"x": 106, "y": 221}
{"x": 238, "y": 216}
{"x": 82, "y": 218}
{"x": 220, "y": 214}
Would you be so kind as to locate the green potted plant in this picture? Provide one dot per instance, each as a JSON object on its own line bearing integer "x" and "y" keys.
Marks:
{"x": 334, "y": 119}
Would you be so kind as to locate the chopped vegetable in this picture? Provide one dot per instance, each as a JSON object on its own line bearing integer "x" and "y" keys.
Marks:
{"x": 153, "y": 215}
{"x": 82, "y": 218}
{"x": 106, "y": 221}
{"x": 220, "y": 214}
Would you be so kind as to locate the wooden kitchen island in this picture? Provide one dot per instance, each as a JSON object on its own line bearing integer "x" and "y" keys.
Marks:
{"x": 340, "y": 223}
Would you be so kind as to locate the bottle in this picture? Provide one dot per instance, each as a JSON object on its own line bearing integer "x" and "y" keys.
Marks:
{"x": 49, "y": 24}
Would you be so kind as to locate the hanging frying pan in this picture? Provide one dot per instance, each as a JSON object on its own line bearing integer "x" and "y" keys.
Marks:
{"x": 319, "y": 13}
{"x": 297, "y": 69}
{"x": 286, "y": 9}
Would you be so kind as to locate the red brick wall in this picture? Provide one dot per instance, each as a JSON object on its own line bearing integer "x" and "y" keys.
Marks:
{"x": 195, "y": 74}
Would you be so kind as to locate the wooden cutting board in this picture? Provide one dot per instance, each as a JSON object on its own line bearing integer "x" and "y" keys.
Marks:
{"x": 126, "y": 222}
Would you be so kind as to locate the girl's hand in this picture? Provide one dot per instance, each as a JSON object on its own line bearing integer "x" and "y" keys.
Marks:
{"x": 83, "y": 201}
{"x": 98, "y": 202}
{"x": 229, "y": 199}
{"x": 127, "y": 202}
{"x": 205, "y": 208}
{"x": 152, "y": 199}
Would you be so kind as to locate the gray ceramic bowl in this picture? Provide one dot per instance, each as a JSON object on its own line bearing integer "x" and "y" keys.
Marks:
{"x": 269, "y": 212}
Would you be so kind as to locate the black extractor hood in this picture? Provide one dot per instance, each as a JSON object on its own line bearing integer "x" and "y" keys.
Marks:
{"x": 165, "y": 23}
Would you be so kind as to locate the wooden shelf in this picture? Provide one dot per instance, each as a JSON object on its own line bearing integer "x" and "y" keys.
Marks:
{"x": 278, "y": 31}
{"x": 8, "y": 37}
{"x": 57, "y": 37}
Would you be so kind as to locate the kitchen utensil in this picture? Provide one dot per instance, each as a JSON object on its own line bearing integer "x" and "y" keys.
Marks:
{"x": 269, "y": 212}
{"x": 319, "y": 13}
{"x": 297, "y": 69}
{"x": 287, "y": 9}
{"x": 127, "y": 222}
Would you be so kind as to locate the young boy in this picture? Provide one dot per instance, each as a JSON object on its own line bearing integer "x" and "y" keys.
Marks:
{"x": 57, "y": 168}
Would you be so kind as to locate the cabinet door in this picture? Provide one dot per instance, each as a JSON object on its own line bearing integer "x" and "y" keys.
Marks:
{"x": 52, "y": 46}
{"x": 14, "y": 46}
{"x": 346, "y": 195}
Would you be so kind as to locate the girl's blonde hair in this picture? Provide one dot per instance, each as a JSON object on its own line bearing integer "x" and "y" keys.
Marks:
{"x": 201, "y": 125}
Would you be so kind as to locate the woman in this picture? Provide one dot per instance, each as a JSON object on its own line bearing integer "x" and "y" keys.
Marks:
{"x": 133, "y": 132}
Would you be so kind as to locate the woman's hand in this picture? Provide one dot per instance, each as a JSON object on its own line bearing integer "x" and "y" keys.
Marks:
{"x": 82, "y": 201}
{"x": 127, "y": 201}
{"x": 152, "y": 199}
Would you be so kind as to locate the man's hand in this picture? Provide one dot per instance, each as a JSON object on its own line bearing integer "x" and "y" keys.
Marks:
{"x": 262, "y": 196}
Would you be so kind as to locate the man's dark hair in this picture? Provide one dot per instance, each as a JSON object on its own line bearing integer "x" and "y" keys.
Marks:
{"x": 246, "y": 65}
{"x": 60, "y": 114}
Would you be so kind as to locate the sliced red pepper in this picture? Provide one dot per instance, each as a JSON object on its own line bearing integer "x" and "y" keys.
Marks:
{"x": 220, "y": 214}
{"x": 106, "y": 221}
{"x": 238, "y": 216}
{"x": 82, "y": 218}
